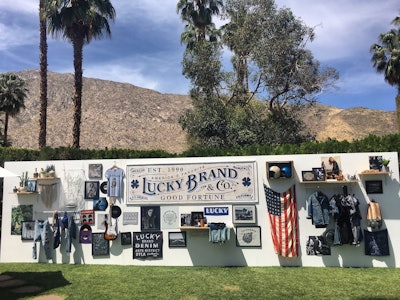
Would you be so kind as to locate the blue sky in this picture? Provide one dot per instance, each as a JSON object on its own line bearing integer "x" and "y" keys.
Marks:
{"x": 145, "y": 46}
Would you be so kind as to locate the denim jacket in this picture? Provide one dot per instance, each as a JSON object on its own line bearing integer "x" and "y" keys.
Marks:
{"x": 318, "y": 209}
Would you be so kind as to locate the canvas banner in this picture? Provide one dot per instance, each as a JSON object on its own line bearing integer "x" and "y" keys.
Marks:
{"x": 192, "y": 183}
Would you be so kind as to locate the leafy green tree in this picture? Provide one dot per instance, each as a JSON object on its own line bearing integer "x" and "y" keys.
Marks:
{"x": 12, "y": 96}
{"x": 386, "y": 60}
{"x": 43, "y": 73}
{"x": 80, "y": 21}
{"x": 273, "y": 42}
{"x": 258, "y": 102}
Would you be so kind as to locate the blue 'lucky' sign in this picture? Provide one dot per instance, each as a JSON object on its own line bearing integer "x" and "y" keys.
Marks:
{"x": 216, "y": 211}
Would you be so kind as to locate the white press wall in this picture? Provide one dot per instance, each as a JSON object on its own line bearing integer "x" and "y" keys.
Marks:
{"x": 199, "y": 250}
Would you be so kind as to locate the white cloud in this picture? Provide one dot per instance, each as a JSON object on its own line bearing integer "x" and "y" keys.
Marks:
{"x": 20, "y": 6}
{"x": 344, "y": 28}
{"x": 14, "y": 35}
{"x": 159, "y": 12}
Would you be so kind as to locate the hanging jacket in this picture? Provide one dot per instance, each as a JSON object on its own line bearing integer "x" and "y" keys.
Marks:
{"x": 318, "y": 209}
{"x": 218, "y": 233}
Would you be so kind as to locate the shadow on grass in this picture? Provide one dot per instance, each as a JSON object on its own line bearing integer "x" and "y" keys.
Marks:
{"x": 16, "y": 285}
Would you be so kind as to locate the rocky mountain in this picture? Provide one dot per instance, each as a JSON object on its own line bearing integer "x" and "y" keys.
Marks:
{"x": 121, "y": 115}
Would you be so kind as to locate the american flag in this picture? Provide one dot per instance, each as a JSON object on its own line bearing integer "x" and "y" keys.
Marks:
{"x": 282, "y": 210}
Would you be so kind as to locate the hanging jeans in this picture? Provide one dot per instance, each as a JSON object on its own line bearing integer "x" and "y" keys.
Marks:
{"x": 43, "y": 234}
{"x": 70, "y": 234}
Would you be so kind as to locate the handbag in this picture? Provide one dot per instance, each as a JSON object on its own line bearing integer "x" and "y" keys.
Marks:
{"x": 374, "y": 215}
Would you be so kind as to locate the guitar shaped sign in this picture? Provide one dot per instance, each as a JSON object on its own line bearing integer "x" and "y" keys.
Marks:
{"x": 111, "y": 232}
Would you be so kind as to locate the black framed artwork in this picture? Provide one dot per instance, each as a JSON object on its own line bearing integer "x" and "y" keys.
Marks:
{"x": 150, "y": 217}
{"x": 126, "y": 238}
{"x": 186, "y": 219}
{"x": 177, "y": 239}
{"x": 100, "y": 246}
{"x": 319, "y": 174}
{"x": 196, "y": 216}
{"x": 307, "y": 175}
{"x": 32, "y": 185}
{"x": 374, "y": 186}
{"x": 92, "y": 189}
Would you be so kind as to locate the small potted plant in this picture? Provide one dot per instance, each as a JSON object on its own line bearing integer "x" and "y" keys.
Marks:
{"x": 51, "y": 171}
{"x": 385, "y": 164}
{"x": 23, "y": 182}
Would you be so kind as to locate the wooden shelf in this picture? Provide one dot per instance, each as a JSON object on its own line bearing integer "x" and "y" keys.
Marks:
{"x": 330, "y": 182}
{"x": 374, "y": 173}
{"x": 24, "y": 193}
{"x": 193, "y": 228}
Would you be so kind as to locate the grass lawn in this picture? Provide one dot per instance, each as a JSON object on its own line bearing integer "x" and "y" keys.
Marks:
{"x": 192, "y": 283}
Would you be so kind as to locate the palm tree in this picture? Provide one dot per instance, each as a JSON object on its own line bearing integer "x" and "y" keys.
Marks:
{"x": 12, "y": 97}
{"x": 80, "y": 21}
{"x": 43, "y": 73}
{"x": 386, "y": 59}
{"x": 199, "y": 14}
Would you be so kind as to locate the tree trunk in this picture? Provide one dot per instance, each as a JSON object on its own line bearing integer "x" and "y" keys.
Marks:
{"x": 43, "y": 77}
{"x": 78, "y": 54}
{"x": 398, "y": 110}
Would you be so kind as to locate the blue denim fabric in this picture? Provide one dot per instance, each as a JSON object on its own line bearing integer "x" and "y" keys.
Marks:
{"x": 70, "y": 234}
{"x": 336, "y": 239}
{"x": 218, "y": 233}
{"x": 56, "y": 231}
{"x": 43, "y": 234}
{"x": 318, "y": 209}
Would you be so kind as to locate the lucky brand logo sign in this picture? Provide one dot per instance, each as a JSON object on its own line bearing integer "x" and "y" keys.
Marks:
{"x": 214, "y": 182}
{"x": 216, "y": 211}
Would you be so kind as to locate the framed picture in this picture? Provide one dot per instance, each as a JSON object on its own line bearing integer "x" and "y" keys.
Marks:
{"x": 307, "y": 175}
{"x": 375, "y": 162}
{"x": 126, "y": 238}
{"x": 95, "y": 171}
{"x": 244, "y": 214}
{"x": 195, "y": 218}
{"x": 150, "y": 216}
{"x": 130, "y": 218}
{"x": 31, "y": 186}
{"x": 91, "y": 189}
{"x": 248, "y": 236}
{"x": 87, "y": 217}
{"x": 374, "y": 187}
{"x": 28, "y": 230}
{"x": 332, "y": 166}
{"x": 100, "y": 246}
{"x": 177, "y": 239}
{"x": 186, "y": 219}
{"x": 319, "y": 174}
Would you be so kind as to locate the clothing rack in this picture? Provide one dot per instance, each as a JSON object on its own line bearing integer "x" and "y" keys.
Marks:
{"x": 61, "y": 212}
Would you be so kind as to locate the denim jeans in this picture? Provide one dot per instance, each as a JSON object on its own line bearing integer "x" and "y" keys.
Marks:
{"x": 43, "y": 234}
{"x": 70, "y": 234}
